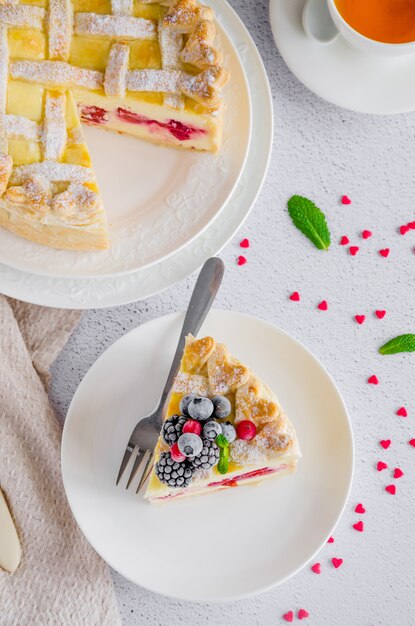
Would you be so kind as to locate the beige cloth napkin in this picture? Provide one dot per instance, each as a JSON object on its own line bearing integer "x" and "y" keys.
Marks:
{"x": 61, "y": 581}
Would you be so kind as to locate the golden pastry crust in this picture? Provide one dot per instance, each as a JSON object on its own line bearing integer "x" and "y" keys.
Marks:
{"x": 225, "y": 373}
{"x": 61, "y": 237}
{"x": 196, "y": 353}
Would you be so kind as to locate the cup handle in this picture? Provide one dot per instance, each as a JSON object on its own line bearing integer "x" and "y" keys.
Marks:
{"x": 318, "y": 23}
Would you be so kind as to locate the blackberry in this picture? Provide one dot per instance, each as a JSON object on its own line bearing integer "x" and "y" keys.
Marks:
{"x": 172, "y": 473}
{"x": 172, "y": 428}
{"x": 208, "y": 457}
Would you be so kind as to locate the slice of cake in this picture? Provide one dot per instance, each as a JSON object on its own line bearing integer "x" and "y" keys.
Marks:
{"x": 223, "y": 428}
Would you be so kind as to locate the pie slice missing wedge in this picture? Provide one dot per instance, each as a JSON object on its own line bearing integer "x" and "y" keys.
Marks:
{"x": 223, "y": 428}
{"x": 142, "y": 67}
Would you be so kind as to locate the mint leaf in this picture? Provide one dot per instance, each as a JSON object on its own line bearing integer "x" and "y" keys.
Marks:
{"x": 310, "y": 220}
{"x": 402, "y": 343}
{"x": 223, "y": 463}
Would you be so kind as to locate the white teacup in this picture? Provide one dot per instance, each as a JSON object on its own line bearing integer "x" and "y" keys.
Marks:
{"x": 314, "y": 11}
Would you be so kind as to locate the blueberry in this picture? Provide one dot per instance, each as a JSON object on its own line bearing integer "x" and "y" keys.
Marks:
{"x": 228, "y": 431}
{"x": 200, "y": 408}
{"x": 190, "y": 444}
{"x": 185, "y": 401}
{"x": 222, "y": 407}
{"x": 211, "y": 430}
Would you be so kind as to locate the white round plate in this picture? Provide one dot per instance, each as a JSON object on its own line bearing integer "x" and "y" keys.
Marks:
{"x": 157, "y": 199}
{"x": 112, "y": 291}
{"x": 244, "y": 540}
{"x": 339, "y": 73}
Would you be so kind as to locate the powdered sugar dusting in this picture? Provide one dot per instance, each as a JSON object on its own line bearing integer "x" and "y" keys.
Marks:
{"x": 166, "y": 81}
{"x": 53, "y": 172}
{"x": 16, "y": 126}
{"x": 54, "y": 130}
{"x": 60, "y": 29}
{"x": 56, "y": 73}
{"x": 114, "y": 26}
{"x": 115, "y": 82}
{"x": 4, "y": 63}
{"x": 191, "y": 383}
{"x": 121, "y": 7}
{"x": 22, "y": 16}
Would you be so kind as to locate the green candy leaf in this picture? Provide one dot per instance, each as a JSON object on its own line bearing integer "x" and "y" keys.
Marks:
{"x": 223, "y": 460}
{"x": 221, "y": 441}
{"x": 402, "y": 343}
{"x": 310, "y": 220}
{"x": 223, "y": 445}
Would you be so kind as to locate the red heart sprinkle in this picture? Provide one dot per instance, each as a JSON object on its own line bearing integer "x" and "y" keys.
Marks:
{"x": 295, "y": 296}
{"x": 384, "y": 252}
{"x": 402, "y": 412}
{"x": 358, "y": 526}
{"x": 288, "y": 616}
{"x": 391, "y": 489}
{"x": 344, "y": 240}
{"x": 346, "y": 200}
{"x": 412, "y": 442}
{"x": 330, "y": 540}
{"x": 373, "y": 380}
{"x": 244, "y": 243}
{"x": 302, "y": 614}
{"x": 366, "y": 234}
{"x": 316, "y": 568}
{"x": 241, "y": 260}
{"x": 360, "y": 508}
{"x": 411, "y": 225}
{"x": 403, "y": 229}
{"x": 381, "y": 466}
{"x": 360, "y": 318}
{"x": 385, "y": 443}
{"x": 323, "y": 306}
{"x": 398, "y": 473}
{"x": 354, "y": 250}
{"x": 380, "y": 313}
{"x": 336, "y": 562}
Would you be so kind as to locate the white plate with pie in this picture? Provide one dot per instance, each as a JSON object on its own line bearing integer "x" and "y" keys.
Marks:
{"x": 340, "y": 73}
{"x": 244, "y": 540}
{"x": 112, "y": 291}
{"x": 157, "y": 199}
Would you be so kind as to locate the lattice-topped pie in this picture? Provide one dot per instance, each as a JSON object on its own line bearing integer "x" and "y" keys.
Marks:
{"x": 146, "y": 68}
{"x": 224, "y": 427}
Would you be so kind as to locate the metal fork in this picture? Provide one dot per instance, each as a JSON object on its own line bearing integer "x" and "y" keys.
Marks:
{"x": 144, "y": 437}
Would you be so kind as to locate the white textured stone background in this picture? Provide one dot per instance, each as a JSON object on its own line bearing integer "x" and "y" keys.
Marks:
{"x": 320, "y": 151}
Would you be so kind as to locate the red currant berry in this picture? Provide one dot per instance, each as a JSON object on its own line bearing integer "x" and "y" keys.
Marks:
{"x": 246, "y": 430}
{"x": 176, "y": 455}
{"x": 192, "y": 426}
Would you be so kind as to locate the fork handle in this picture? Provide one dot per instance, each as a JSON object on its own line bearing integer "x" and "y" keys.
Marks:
{"x": 203, "y": 295}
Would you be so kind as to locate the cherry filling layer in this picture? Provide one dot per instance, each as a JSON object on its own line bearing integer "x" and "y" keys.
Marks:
{"x": 233, "y": 482}
{"x": 177, "y": 129}
{"x": 94, "y": 115}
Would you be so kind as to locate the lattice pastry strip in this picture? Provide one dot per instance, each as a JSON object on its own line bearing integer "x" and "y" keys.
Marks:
{"x": 22, "y": 16}
{"x": 114, "y": 26}
{"x": 19, "y": 127}
{"x": 115, "y": 82}
{"x": 54, "y": 129}
{"x": 60, "y": 18}
{"x": 122, "y": 7}
{"x": 56, "y": 73}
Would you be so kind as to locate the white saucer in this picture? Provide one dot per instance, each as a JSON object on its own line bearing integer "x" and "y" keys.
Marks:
{"x": 339, "y": 73}
{"x": 113, "y": 291}
{"x": 226, "y": 545}
{"x": 157, "y": 200}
